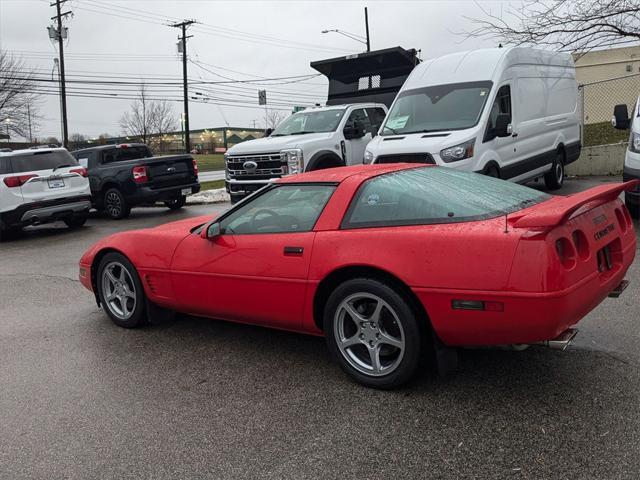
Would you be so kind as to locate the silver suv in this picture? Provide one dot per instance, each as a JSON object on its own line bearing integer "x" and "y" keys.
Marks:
{"x": 40, "y": 185}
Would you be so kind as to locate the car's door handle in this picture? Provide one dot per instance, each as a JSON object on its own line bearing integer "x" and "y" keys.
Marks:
{"x": 293, "y": 251}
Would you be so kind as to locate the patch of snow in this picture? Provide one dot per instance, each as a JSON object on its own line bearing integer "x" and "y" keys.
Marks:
{"x": 218, "y": 195}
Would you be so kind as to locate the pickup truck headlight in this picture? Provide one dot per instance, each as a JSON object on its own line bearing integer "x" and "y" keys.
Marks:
{"x": 368, "y": 156}
{"x": 458, "y": 152}
{"x": 634, "y": 142}
{"x": 293, "y": 158}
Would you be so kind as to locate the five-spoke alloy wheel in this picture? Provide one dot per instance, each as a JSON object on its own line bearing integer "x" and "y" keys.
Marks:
{"x": 373, "y": 333}
{"x": 120, "y": 291}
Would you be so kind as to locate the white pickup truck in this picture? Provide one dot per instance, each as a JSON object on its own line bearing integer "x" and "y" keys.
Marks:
{"x": 313, "y": 139}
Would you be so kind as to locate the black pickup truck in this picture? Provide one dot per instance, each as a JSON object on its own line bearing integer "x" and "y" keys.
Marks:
{"x": 123, "y": 176}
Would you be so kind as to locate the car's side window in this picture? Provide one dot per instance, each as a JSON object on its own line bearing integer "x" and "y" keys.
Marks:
{"x": 86, "y": 159}
{"x": 5, "y": 166}
{"x": 281, "y": 209}
{"x": 359, "y": 115}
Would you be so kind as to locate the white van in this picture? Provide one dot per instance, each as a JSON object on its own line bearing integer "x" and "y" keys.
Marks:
{"x": 506, "y": 112}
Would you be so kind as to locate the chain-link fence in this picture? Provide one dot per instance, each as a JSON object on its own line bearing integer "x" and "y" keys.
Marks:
{"x": 597, "y": 100}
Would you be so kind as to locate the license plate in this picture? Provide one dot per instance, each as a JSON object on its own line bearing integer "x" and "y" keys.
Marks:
{"x": 186, "y": 191}
{"x": 55, "y": 183}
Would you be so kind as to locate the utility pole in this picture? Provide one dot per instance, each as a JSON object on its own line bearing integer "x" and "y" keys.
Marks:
{"x": 183, "y": 26}
{"x": 60, "y": 35}
{"x": 366, "y": 24}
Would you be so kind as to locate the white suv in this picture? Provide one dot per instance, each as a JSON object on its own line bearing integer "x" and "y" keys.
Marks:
{"x": 41, "y": 185}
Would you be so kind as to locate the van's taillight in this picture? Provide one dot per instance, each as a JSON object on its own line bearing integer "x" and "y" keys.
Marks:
{"x": 18, "y": 180}
{"x": 83, "y": 172}
{"x": 195, "y": 167}
{"x": 140, "y": 175}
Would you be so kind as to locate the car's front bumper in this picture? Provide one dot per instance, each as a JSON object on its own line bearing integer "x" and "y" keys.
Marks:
{"x": 47, "y": 211}
{"x": 246, "y": 187}
{"x": 629, "y": 173}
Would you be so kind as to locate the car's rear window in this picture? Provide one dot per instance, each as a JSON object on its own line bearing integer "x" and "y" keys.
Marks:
{"x": 33, "y": 162}
{"x": 429, "y": 195}
{"x": 122, "y": 154}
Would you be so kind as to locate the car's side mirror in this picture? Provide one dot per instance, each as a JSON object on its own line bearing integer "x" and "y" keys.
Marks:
{"x": 211, "y": 231}
{"x": 353, "y": 131}
{"x": 268, "y": 132}
{"x": 503, "y": 126}
{"x": 620, "y": 120}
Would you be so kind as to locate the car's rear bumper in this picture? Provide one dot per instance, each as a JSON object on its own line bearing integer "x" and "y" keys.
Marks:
{"x": 527, "y": 317}
{"x": 46, "y": 211}
{"x": 148, "y": 194}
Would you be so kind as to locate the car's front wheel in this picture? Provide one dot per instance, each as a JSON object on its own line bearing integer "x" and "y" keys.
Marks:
{"x": 120, "y": 291}
{"x": 373, "y": 333}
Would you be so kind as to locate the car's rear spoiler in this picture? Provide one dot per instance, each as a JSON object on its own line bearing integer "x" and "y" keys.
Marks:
{"x": 558, "y": 209}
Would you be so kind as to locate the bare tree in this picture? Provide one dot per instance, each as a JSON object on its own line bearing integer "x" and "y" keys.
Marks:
{"x": 77, "y": 141}
{"x": 148, "y": 120}
{"x": 275, "y": 118}
{"x": 571, "y": 25}
{"x": 19, "y": 98}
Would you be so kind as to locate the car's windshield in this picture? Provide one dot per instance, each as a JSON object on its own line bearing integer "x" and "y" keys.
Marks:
{"x": 310, "y": 122}
{"x": 437, "y": 108}
{"x": 428, "y": 195}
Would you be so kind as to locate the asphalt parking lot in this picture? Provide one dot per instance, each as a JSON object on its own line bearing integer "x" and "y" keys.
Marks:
{"x": 81, "y": 398}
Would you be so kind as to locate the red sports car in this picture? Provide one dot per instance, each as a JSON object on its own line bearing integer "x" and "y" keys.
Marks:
{"x": 383, "y": 260}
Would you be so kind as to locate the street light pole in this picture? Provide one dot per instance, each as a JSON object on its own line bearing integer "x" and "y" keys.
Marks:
{"x": 366, "y": 24}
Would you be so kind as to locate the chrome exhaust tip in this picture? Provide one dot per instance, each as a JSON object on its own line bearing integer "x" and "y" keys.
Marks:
{"x": 562, "y": 341}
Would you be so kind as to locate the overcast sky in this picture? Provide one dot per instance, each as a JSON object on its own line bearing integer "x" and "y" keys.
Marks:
{"x": 128, "y": 40}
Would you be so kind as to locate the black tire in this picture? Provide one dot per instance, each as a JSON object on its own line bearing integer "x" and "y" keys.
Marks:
{"x": 135, "y": 305}
{"x": 115, "y": 205}
{"x": 398, "y": 322}
{"x": 7, "y": 233}
{"x": 75, "y": 221}
{"x": 492, "y": 171}
{"x": 632, "y": 206}
{"x": 236, "y": 198}
{"x": 554, "y": 178}
{"x": 176, "y": 203}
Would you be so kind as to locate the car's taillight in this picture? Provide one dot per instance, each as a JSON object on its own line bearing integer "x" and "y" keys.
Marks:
{"x": 195, "y": 167}
{"x": 566, "y": 252}
{"x": 18, "y": 180}
{"x": 83, "y": 172}
{"x": 140, "y": 174}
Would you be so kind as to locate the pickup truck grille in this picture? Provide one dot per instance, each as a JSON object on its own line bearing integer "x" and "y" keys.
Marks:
{"x": 268, "y": 165}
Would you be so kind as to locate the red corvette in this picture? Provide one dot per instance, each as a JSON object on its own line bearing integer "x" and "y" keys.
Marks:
{"x": 381, "y": 260}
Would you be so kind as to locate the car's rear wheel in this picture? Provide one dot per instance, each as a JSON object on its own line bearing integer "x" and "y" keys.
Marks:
{"x": 120, "y": 291}
{"x": 373, "y": 333}
{"x": 115, "y": 205}
{"x": 75, "y": 221}
{"x": 176, "y": 203}
{"x": 554, "y": 178}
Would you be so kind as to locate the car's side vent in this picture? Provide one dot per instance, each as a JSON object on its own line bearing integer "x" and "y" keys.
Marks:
{"x": 150, "y": 284}
{"x": 392, "y": 138}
